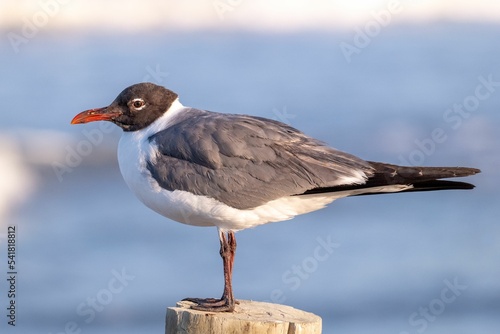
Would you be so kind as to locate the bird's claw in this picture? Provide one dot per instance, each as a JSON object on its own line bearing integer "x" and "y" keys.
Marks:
{"x": 212, "y": 304}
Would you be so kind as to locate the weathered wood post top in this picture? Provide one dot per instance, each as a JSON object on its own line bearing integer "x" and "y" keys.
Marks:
{"x": 249, "y": 317}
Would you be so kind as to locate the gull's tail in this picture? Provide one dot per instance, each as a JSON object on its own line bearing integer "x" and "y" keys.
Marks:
{"x": 387, "y": 178}
{"x": 421, "y": 178}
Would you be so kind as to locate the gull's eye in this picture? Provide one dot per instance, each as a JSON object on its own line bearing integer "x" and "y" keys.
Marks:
{"x": 138, "y": 104}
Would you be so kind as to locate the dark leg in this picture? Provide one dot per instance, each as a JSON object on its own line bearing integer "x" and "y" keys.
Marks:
{"x": 227, "y": 302}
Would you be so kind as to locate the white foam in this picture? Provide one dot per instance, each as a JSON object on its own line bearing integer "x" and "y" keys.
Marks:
{"x": 17, "y": 180}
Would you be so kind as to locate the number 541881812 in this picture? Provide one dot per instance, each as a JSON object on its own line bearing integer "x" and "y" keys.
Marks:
{"x": 11, "y": 248}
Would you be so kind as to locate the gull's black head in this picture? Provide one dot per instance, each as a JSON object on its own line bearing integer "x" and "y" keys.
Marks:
{"x": 134, "y": 108}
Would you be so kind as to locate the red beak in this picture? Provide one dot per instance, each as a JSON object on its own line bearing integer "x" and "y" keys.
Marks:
{"x": 92, "y": 115}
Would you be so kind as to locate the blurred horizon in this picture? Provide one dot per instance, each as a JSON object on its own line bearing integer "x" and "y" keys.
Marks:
{"x": 256, "y": 15}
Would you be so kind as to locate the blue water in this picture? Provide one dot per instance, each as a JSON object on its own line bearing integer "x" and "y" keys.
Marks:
{"x": 394, "y": 256}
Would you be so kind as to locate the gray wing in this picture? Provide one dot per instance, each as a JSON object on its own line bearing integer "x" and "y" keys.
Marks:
{"x": 246, "y": 161}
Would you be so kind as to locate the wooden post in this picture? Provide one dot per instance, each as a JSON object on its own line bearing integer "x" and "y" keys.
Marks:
{"x": 249, "y": 317}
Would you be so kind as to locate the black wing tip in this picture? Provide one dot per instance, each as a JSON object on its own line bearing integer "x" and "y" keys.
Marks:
{"x": 441, "y": 185}
{"x": 417, "y": 173}
{"x": 462, "y": 171}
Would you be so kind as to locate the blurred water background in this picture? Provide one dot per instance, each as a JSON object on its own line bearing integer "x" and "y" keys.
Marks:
{"x": 417, "y": 92}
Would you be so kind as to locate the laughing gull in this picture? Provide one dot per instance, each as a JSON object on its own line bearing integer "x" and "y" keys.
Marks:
{"x": 235, "y": 172}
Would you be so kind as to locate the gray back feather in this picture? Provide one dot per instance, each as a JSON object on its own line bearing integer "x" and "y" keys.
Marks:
{"x": 245, "y": 161}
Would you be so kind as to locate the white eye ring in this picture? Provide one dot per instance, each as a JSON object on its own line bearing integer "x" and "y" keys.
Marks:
{"x": 138, "y": 104}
